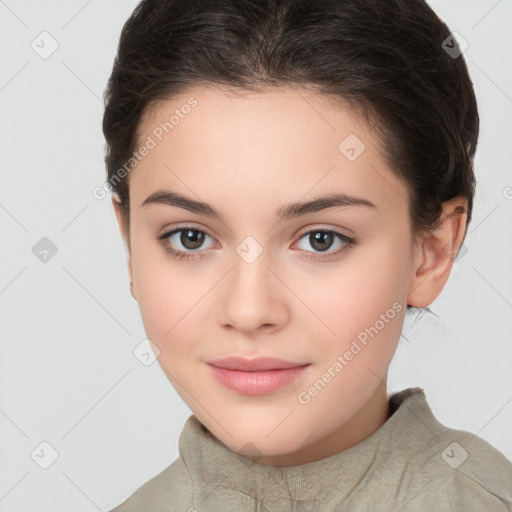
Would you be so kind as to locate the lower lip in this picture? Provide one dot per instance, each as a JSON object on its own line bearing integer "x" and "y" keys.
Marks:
{"x": 256, "y": 383}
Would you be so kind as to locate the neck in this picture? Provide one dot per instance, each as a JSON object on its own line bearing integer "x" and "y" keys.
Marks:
{"x": 370, "y": 417}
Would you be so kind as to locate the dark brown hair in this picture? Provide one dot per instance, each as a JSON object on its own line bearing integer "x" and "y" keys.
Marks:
{"x": 384, "y": 58}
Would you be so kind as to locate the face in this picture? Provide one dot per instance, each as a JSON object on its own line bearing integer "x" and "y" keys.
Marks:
{"x": 324, "y": 287}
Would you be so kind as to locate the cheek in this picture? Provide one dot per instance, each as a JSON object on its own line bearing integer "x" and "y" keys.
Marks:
{"x": 363, "y": 299}
{"x": 164, "y": 292}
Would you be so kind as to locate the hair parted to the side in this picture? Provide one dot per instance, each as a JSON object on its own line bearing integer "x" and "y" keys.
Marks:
{"x": 382, "y": 58}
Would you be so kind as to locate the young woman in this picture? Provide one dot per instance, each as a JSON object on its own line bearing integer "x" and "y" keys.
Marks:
{"x": 291, "y": 177}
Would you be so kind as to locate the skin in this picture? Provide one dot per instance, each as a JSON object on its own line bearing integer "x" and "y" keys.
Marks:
{"x": 247, "y": 156}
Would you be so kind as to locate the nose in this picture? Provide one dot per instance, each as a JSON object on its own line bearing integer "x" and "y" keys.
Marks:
{"x": 252, "y": 298}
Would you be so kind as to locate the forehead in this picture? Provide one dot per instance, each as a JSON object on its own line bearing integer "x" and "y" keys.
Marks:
{"x": 288, "y": 112}
{"x": 282, "y": 143}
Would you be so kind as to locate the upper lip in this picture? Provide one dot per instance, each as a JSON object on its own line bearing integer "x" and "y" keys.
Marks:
{"x": 253, "y": 365}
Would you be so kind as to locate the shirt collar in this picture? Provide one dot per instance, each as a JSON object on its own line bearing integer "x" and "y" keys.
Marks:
{"x": 220, "y": 475}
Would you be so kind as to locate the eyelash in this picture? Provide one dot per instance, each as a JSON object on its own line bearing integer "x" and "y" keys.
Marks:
{"x": 190, "y": 255}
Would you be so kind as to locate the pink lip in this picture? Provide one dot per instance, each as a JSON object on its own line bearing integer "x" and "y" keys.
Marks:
{"x": 252, "y": 365}
{"x": 255, "y": 376}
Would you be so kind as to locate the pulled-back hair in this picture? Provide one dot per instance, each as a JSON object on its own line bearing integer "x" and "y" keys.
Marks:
{"x": 385, "y": 59}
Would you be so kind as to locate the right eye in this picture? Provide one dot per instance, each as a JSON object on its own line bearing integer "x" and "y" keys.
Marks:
{"x": 190, "y": 238}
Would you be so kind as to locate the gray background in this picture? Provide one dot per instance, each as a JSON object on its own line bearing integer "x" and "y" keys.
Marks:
{"x": 69, "y": 325}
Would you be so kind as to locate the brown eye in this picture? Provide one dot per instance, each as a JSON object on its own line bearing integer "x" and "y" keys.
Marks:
{"x": 184, "y": 242}
{"x": 321, "y": 240}
{"x": 191, "y": 238}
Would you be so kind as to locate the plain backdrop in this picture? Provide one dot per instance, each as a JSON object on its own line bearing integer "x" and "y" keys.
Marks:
{"x": 73, "y": 396}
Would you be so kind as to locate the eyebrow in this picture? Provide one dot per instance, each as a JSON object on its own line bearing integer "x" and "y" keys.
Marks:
{"x": 288, "y": 211}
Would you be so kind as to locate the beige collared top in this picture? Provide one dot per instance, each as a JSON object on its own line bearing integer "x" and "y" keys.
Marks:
{"x": 412, "y": 463}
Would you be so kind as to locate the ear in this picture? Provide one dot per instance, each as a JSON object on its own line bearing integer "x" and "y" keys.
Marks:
{"x": 124, "y": 229}
{"x": 436, "y": 252}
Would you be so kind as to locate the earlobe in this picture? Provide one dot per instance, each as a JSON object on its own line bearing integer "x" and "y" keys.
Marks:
{"x": 132, "y": 291}
{"x": 116, "y": 204}
{"x": 121, "y": 222}
{"x": 436, "y": 254}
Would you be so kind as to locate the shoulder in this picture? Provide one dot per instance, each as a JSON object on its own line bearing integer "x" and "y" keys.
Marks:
{"x": 169, "y": 490}
{"x": 459, "y": 471}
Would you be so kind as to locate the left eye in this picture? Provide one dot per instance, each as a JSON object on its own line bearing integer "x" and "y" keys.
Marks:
{"x": 322, "y": 240}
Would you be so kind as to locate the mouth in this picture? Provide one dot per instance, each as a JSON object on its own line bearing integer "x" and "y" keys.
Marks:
{"x": 256, "y": 376}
